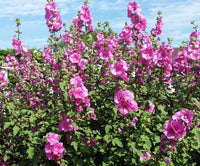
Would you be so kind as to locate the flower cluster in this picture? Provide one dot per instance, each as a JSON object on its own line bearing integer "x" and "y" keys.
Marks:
{"x": 12, "y": 61}
{"x": 84, "y": 16}
{"x": 79, "y": 93}
{"x": 21, "y": 49}
{"x": 164, "y": 60}
{"x": 105, "y": 46}
{"x": 175, "y": 127}
{"x": 119, "y": 69}
{"x": 65, "y": 125}
{"x": 125, "y": 35}
{"x": 137, "y": 19}
{"x": 3, "y": 79}
{"x": 90, "y": 82}
{"x": 53, "y": 148}
{"x": 53, "y": 19}
{"x": 125, "y": 102}
{"x": 188, "y": 58}
{"x": 158, "y": 30}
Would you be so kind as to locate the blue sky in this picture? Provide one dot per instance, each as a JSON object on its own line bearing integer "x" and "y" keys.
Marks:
{"x": 177, "y": 16}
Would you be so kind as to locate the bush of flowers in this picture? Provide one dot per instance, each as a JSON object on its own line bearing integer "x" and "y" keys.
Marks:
{"x": 101, "y": 98}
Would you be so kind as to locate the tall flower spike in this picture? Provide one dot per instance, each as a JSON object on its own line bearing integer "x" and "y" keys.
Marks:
{"x": 53, "y": 19}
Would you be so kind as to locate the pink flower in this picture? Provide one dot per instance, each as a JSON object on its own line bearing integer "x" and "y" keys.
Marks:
{"x": 166, "y": 160}
{"x": 53, "y": 148}
{"x": 58, "y": 149}
{"x": 146, "y": 155}
{"x": 125, "y": 35}
{"x": 48, "y": 149}
{"x": 3, "y": 79}
{"x": 86, "y": 17}
{"x": 119, "y": 68}
{"x": 12, "y": 61}
{"x": 53, "y": 138}
{"x": 2, "y": 163}
{"x": 53, "y": 19}
{"x": 80, "y": 93}
{"x": 65, "y": 125}
{"x": 105, "y": 47}
{"x": 93, "y": 116}
{"x": 79, "y": 108}
{"x": 105, "y": 73}
{"x": 158, "y": 30}
{"x": 125, "y": 102}
{"x": 17, "y": 44}
{"x": 150, "y": 107}
{"x": 174, "y": 129}
{"x": 131, "y": 7}
{"x": 93, "y": 141}
{"x": 100, "y": 38}
{"x": 76, "y": 82}
{"x": 68, "y": 137}
{"x": 75, "y": 58}
{"x": 137, "y": 19}
{"x": 133, "y": 121}
{"x": 185, "y": 115}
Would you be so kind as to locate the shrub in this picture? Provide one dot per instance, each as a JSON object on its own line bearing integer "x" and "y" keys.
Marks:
{"x": 100, "y": 98}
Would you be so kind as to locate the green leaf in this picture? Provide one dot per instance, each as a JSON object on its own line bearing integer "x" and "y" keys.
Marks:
{"x": 196, "y": 131}
{"x": 75, "y": 145}
{"x": 157, "y": 139}
{"x": 117, "y": 142}
{"x": 15, "y": 130}
{"x": 138, "y": 152}
{"x": 102, "y": 87}
{"x": 66, "y": 96}
{"x": 159, "y": 127}
{"x": 74, "y": 124}
{"x": 11, "y": 106}
{"x": 91, "y": 93}
{"x": 30, "y": 152}
{"x": 148, "y": 130}
{"x": 5, "y": 158}
{"x": 133, "y": 161}
{"x": 49, "y": 103}
{"x": 144, "y": 138}
{"x": 161, "y": 107}
{"x": 32, "y": 118}
{"x": 62, "y": 86}
{"x": 107, "y": 128}
{"x": 7, "y": 124}
{"x": 115, "y": 109}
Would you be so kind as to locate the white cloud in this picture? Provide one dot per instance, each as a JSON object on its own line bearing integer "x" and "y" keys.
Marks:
{"x": 21, "y": 7}
{"x": 177, "y": 16}
{"x": 111, "y": 5}
{"x": 34, "y": 7}
{"x": 177, "y": 13}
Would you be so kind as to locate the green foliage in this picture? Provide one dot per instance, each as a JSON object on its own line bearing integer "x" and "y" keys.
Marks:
{"x": 108, "y": 139}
